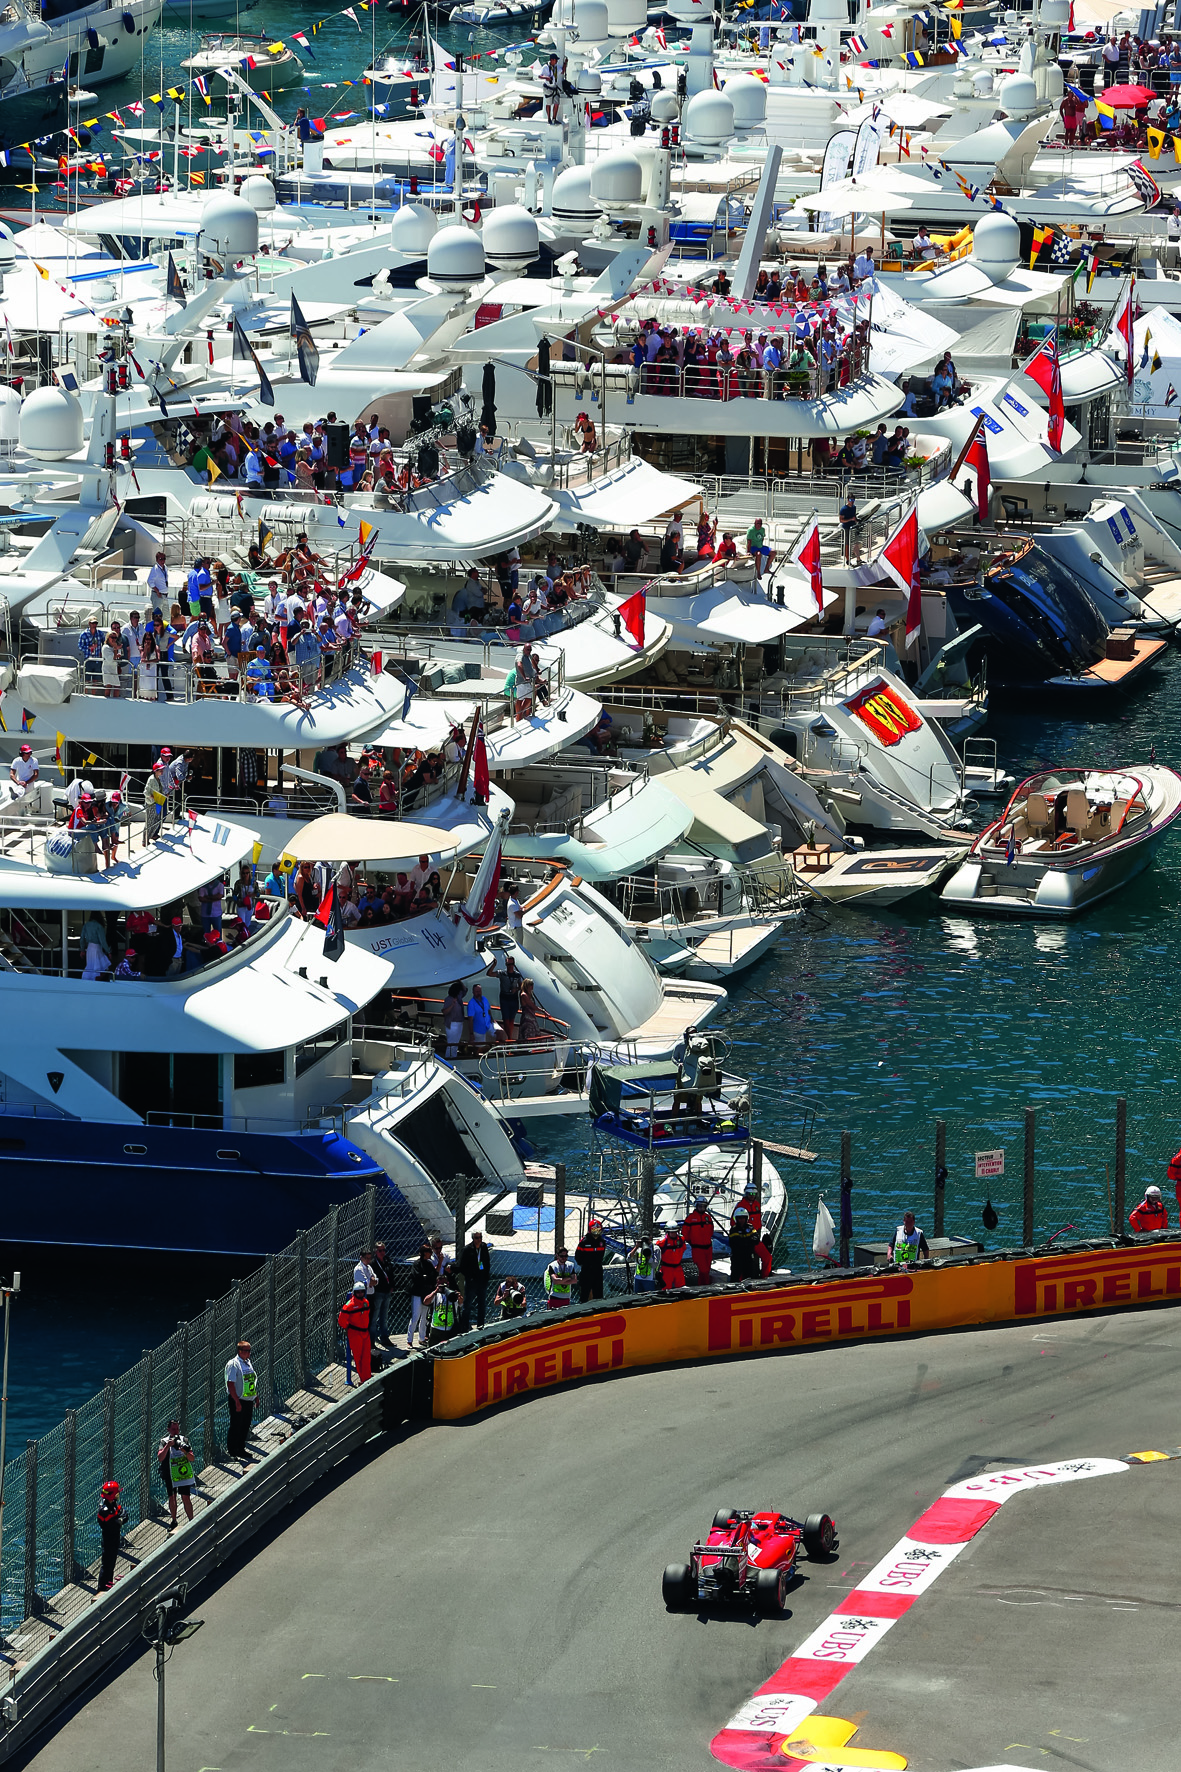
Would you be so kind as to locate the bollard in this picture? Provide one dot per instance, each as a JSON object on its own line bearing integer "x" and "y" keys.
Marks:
{"x": 32, "y": 1603}
{"x": 940, "y": 1176}
{"x": 846, "y": 1229}
{"x": 1121, "y": 1155}
{"x": 1027, "y": 1220}
{"x": 559, "y": 1205}
{"x": 69, "y": 1509}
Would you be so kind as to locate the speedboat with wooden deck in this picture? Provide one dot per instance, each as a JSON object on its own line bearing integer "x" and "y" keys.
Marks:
{"x": 1067, "y": 838}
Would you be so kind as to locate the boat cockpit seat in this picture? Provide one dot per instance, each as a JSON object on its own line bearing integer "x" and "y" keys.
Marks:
{"x": 1037, "y": 814}
{"x": 1118, "y": 809}
{"x": 1080, "y": 814}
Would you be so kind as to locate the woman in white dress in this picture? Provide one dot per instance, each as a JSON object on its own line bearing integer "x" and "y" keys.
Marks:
{"x": 147, "y": 685}
{"x": 112, "y": 658}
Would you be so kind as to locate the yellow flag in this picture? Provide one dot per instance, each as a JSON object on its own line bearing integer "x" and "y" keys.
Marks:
{"x": 40, "y": 270}
{"x": 88, "y": 760}
{"x": 256, "y": 854}
{"x": 57, "y": 755}
{"x": 957, "y": 27}
{"x": 196, "y": 178}
{"x": 214, "y": 470}
{"x": 1177, "y": 149}
{"x": 366, "y": 531}
{"x": 285, "y": 864}
{"x": 275, "y": 48}
{"x": 1156, "y": 141}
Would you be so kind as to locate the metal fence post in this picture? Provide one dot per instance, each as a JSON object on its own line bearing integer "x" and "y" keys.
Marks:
{"x": 559, "y": 1205}
{"x": 1121, "y": 1154}
{"x": 1027, "y": 1221}
{"x": 647, "y": 1193}
{"x": 210, "y": 1435}
{"x": 69, "y": 1480}
{"x": 334, "y": 1265}
{"x": 370, "y": 1217}
{"x": 32, "y": 1603}
{"x": 460, "y": 1214}
{"x": 940, "y": 1175}
{"x": 271, "y": 1334}
{"x": 846, "y": 1196}
{"x": 303, "y": 1306}
{"x": 145, "y": 1442}
{"x": 182, "y": 1386}
{"x": 237, "y": 1312}
{"x": 108, "y": 1429}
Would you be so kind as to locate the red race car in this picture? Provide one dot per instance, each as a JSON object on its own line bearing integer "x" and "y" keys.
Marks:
{"x": 749, "y": 1558}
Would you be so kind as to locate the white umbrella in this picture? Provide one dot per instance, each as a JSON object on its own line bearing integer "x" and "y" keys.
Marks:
{"x": 864, "y": 200}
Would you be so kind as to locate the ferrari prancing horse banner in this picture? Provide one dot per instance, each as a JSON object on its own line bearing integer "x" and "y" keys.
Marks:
{"x": 888, "y": 717}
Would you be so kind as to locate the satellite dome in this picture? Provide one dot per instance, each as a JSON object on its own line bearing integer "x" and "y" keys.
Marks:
{"x": 10, "y": 405}
{"x": 1018, "y": 96}
{"x": 996, "y": 245}
{"x": 591, "y": 21}
{"x": 982, "y": 82}
{"x": 510, "y": 238}
{"x": 664, "y": 107}
{"x": 572, "y": 200}
{"x": 627, "y": 18}
{"x": 259, "y": 192}
{"x": 229, "y": 227}
{"x": 617, "y": 177}
{"x": 749, "y": 98}
{"x": 50, "y": 425}
{"x": 708, "y": 120}
{"x": 455, "y": 258}
{"x": 589, "y": 81}
{"x": 412, "y": 229}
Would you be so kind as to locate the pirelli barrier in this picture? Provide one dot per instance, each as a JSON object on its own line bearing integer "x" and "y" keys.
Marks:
{"x": 653, "y": 1329}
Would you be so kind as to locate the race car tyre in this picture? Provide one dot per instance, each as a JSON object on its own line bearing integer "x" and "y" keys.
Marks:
{"x": 820, "y": 1535}
{"x": 770, "y": 1591}
{"x": 723, "y": 1518}
{"x": 677, "y": 1586}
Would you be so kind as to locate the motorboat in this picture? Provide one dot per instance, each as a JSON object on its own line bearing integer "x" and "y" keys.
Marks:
{"x": 269, "y": 65}
{"x": 1067, "y": 838}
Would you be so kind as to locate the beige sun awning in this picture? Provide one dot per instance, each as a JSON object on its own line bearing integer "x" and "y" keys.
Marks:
{"x": 339, "y": 837}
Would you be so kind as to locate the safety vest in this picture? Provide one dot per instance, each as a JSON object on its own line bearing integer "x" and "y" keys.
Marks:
{"x": 644, "y": 1264}
{"x": 249, "y": 1386}
{"x": 559, "y": 1279}
{"x": 906, "y": 1247}
{"x": 180, "y": 1466}
{"x": 443, "y": 1315}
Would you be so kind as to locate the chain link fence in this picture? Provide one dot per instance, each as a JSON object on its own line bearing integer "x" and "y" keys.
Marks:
{"x": 286, "y": 1309}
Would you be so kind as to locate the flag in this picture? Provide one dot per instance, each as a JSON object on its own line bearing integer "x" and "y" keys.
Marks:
{"x": 480, "y": 781}
{"x": 1011, "y": 850}
{"x": 202, "y": 86}
{"x": 264, "y": 536}
{"x": 1105, "y": 115}
{"x": 858, "y": 45}
{"x": 3, "y": 723}
{"x": 309, "y": 356}
{"x": 256, "y": 855}
{"x": 1043, "y": 369}
{"x": 807, "y": 555}
{"x": 244, "y": 352}
{"x": 1171, "y": 395}
{"x": 1122, "y": 324}
{"x": 1177, "y": 149}
{"x": 331, "y": 922}
{"x": 1147, "y": 188}
{"x": 175, "y": 289}
{"x": 348, "y": 12}
{"x": 957, "y": 27}
{"x": 631, "y": 614}
{"x": 198, "y": 178}
{"x": 27, "y": 720}
{"x": 214, "y": 470}
{"x": 900, "y": 557}
{"x": 1040, "y": 236}
{"x": 1156, "y": 141}
{"x": 977, "y": 460}
{"x": 57, "y": 755}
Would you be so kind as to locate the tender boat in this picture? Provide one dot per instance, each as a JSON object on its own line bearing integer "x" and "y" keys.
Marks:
{"x": 1067, "y": 838}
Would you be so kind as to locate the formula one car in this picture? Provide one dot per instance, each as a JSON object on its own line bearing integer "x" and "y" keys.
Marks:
{"x": 748, "y": 1558}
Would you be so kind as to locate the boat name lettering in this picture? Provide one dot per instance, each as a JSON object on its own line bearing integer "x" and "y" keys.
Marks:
{"x": 1043, "y": 1288}
{"x": 990, "y": 423}
{"x": 389, "y": 943}
{"x": 828, "y": 1313}
{"x": 1015, "y": 403}
{"x": 549, "y": 1356}
{"x": 433, "y": 938}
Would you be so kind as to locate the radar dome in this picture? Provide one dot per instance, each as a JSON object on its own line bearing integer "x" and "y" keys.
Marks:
{"x": 229, "y": 227}
{"x": 749, "y": 98}
{"x": 589, "y": 81}
{"x": 627, "y": 18}
{"x": 259, "y": 192}
{"x": 591, "y": 21}
{"x": 455, "y": 258}
{"x": 51, "y": 424}
{"x": 617, "y": 177}
{"x": 1054, "y": 15}
{"x": 982, "y": 83}
{"x": 510, "y": 238}
{"x": 708, "y": 120}
{"x": 996, "y": 245}
{"x": 665, "y": 109}
{"x": 572, "y": 199}
{"x": 412, "y": 229}
{"x": 1018, "y": 96}
{"x": 10, "y": 405}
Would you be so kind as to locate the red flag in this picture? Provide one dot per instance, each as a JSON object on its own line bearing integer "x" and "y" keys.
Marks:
{"x": 377, "y": 664}
{"x": 283, "y": 636}
{"x": 480, "y": 781}
{"x": 323, "y": 915}
{"x": 808, "y": 556}
{"x": 1044, "y": 370}
{"x": 900, "y": 557}
{"x": 1123, "y": 324}
{"x": 977, "y": 460}
{"x": 632, "y": 615}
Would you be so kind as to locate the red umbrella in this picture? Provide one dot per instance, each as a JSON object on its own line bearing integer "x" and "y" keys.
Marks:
{"x": 1127, "y": 98}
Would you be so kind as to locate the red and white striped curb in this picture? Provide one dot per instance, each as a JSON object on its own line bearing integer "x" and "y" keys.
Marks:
{"x": 753, "y": 1739}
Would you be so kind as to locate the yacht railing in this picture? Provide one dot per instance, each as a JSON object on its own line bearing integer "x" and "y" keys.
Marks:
{"x": 599, "y": 780}
{"x": 180, "y": 680}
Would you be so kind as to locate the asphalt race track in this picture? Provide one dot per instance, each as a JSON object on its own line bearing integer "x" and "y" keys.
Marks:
{"x": 487, "y": 1595}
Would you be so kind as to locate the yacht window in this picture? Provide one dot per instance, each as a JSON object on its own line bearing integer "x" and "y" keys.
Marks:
{"x": 94, "y": 59}
{"x": 230, "y": 1156}
{"x": 256, "y": 1070}
{"x": 135, "y": 1150}
{"x": 310, "y": 1052}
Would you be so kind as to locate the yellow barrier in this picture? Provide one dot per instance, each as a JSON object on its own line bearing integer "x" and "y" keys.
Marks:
{"x": 783, "y": 1319}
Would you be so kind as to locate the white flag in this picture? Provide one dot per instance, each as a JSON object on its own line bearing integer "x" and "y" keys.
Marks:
{"x": 825, "y": 1235}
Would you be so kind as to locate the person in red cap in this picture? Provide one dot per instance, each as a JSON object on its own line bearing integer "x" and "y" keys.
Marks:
{"x": 24, "y": 769}
{"x": 111, "y": 1521}
{"x": 589, "y": 1256}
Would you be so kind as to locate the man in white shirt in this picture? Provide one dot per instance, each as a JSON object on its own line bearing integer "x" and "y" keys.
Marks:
{"x": 420, "y": 874}
{"x": 863, "y": 265}
{"x": 133, "y": 638}
{"x": 158, "y": 582}
{"x": 25, "y": 769}
{"x": 364, "y": 1275}
{"x": 877, "y": 626}
{"x": 922, "y": 242}
{"x": 514, "y": 916}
